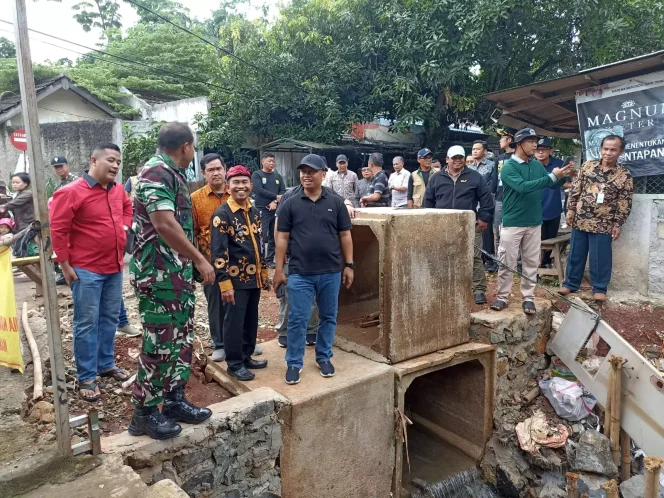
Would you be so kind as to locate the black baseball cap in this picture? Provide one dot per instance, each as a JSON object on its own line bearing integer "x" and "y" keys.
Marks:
{"x": 506, "y": 132}
{"x": 59, "y": 161}
{"x": 545, "y": 142}
{"x": 342, "y": 157}
{"x": 521, "y": 135}
{"x": 313, "y": 161}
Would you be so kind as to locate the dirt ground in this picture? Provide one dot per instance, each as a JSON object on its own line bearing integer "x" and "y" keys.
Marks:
{"x": 638, "y": 323}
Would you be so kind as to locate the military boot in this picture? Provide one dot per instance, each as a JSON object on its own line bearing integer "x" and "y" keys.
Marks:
{"x": 176, "y": 407}
{"x": 148, "y": 420}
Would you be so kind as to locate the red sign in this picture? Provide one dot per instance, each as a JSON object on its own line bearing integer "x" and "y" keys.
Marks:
{"x": 19, "y": 140}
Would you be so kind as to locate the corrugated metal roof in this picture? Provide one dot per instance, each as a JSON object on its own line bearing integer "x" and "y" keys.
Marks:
{"x": 550, "y": 106}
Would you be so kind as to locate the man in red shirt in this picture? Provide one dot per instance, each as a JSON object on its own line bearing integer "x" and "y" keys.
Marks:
{"x": 88, "y": 222}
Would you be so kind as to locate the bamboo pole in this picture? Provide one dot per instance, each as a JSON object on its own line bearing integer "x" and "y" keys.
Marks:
{"x": 626, "y": 458}
{"x": 38, "y": 381}
{"x": 609, "y": 404}
{"x": 616, "y": 404}
{"x": 572, "y": 485}
{"x": 611, "y": 489}
{"x": 653, "y": 465}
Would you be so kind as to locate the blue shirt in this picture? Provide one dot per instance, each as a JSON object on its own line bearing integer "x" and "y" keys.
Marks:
{"x": 552, "y": 204}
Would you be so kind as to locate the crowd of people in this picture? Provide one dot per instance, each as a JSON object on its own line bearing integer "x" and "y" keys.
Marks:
{"x": 221, "y": 238}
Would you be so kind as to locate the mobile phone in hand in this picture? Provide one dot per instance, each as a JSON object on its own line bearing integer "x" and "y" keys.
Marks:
{"x": 280, "y": 291}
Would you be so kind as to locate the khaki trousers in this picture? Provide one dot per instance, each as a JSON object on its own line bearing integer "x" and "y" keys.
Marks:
{"x": 479, "y": 277}
{"x": 529, "y": 240}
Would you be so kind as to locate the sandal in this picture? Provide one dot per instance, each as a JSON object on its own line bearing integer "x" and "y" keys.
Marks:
{"x": 117, "y": 373}
{"x": 89, "y": 386}
{"x": 529, "y": 308}
{"x": 499, "y": 305}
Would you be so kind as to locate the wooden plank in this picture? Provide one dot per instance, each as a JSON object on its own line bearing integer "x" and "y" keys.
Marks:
{"x": 557, "y": 240}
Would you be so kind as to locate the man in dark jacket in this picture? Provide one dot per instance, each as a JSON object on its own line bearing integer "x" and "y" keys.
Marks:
{"x": 459, "y": 187}
{"x": 268, "y": 187}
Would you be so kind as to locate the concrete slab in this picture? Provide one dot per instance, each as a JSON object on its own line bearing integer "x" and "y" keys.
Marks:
{"x": 111, "y": 478}
{"x": 338, "y": 433}
{"x": 412, "y": 284}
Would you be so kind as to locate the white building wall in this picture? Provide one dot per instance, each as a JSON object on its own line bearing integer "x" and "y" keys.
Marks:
{"x": 181, "y": 110}
{"x": 63, "y": 106}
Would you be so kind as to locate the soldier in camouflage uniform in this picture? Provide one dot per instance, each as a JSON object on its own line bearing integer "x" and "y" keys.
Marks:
{"x": 162, "y": 275}
{"x": 61, "y": 168}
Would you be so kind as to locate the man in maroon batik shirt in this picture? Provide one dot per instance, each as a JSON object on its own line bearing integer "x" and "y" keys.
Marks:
{"x": 88, "y": 221}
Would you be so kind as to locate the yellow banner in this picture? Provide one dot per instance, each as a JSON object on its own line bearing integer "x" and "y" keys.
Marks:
{"x": 10, "y": 341}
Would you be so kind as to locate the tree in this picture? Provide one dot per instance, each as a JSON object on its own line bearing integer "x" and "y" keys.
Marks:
{"x": 102, "y": 14}
{"x": 7, "y": 48}
{"x": 137, "y": 148}
{"x": 171, "y": 10}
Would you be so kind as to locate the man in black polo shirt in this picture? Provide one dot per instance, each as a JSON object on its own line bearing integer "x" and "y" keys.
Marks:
{"x": 314, "y": 227}
{"x": 269, "y": 186}
{"x": 459, "y": 187}
{"x": 379, "y": 193}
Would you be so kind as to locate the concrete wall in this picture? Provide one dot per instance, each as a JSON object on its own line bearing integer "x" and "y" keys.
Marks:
{"x": 181, "y": 110}
{"x": 232, "y": 455}
{"x": 62, "y": 106}
{"x": 638, "y": 256}
{"x": 74, "y": 140}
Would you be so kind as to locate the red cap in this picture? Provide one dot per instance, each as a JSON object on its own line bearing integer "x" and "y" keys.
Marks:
{"x": 238, "y": 170}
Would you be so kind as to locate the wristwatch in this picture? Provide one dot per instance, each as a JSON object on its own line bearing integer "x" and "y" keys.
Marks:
{"x": 350, "y": 265}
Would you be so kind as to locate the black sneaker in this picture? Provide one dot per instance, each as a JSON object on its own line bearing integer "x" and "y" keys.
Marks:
{"x": 326, "y": 369}
{"x": 480, "y": 298}
{"x": 282, "y": 341}
{"x": 60, "y": 280}
{"x": 311, "y": 339}
{"x": 178, "y": 408}
{"x": 293, "y": 375}
{"x": 148, "y": 420}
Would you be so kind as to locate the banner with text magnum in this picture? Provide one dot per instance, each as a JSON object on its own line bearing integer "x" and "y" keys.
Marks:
{"x": 632, "y": 109}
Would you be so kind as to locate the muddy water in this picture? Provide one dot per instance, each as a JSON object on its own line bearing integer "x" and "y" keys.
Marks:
{"x": 431, "y": 459}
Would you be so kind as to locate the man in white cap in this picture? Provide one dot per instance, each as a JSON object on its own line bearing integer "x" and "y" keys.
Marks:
{"x": 459, "y": 187}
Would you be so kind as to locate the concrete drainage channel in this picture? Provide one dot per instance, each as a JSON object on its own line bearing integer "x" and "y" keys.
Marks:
{"x": 407, "y": 350}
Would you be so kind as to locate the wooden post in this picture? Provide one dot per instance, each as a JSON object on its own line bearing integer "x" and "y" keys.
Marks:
{"x": 653, "y": 465}
{"x": 611, "y": 489}
{"x": 626, "y": 457}
{"x": 609, "y": 405}
{"x": 31, "y": 122}
{"x": 616, "y": 403}
{"x": 572, "y": 485}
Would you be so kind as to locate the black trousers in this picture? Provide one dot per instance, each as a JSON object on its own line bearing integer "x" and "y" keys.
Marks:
{"x": 488, "y": 242}
{"x": 267, "y": 220}
{"x": 549, "y": 231}
{"x": 215, "y": 314}
{"x": 241, "y": 327}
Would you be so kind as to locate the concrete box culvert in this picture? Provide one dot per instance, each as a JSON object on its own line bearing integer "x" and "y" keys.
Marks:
{"x": 449, "y": 397}
{"x": 411, "y": 293}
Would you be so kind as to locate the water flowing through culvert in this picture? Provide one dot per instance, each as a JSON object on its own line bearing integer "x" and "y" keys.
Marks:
{"x": 466, "y": 484}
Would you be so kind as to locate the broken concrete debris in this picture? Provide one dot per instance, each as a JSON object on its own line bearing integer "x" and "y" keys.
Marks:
{"x": 636, "y": 488}
{"x": 593, "y": 454}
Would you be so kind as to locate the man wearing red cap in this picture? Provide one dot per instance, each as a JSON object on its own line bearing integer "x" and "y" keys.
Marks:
{"x": 235, "y": 239}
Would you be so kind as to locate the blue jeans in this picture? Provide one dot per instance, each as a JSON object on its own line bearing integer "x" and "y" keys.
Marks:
{"x": 301, "y": 292}
{"x": 97, "y": 301}
{"x": 599, "y": 246}
{"x": 123, "y": 315}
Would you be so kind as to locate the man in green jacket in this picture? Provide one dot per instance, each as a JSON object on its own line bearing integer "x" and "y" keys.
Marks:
{"x": 523, "y": 179}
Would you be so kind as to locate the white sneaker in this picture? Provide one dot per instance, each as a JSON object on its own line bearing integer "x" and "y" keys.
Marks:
{"x": 257, "y": 350}
{"x": 219, "y": 355}
{"x": 128, "y": 330}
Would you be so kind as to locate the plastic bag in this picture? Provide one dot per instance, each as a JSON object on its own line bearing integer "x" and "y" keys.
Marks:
{"x": 569, "y": 399}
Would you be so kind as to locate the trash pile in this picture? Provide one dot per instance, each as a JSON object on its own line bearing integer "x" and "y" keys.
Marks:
{"x": 561, "y": 431}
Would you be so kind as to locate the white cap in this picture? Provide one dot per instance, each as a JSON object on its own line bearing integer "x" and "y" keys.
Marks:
{"x": 456, "y": 150}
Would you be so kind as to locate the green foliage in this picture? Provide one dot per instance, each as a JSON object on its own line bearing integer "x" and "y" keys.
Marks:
{"x": 137, "y": 148}
{"x": 7, "y": 48}
{"x": 99, "y": 14}
{"x": 9, "y": 74}
{"x": 173, "y": 11}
